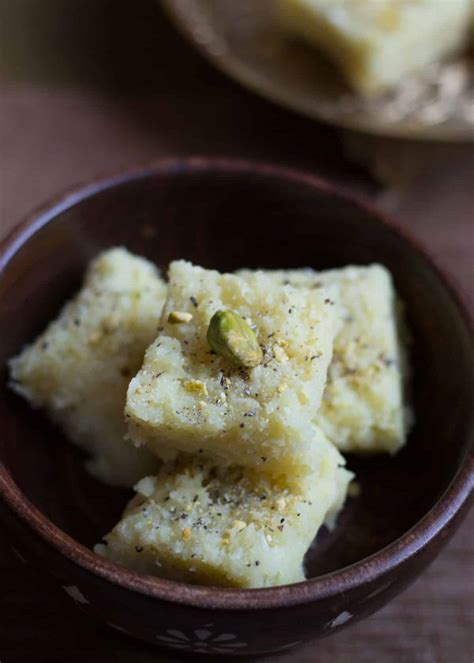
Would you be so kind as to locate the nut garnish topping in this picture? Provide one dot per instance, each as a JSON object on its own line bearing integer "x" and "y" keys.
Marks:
{"x": 231, "y": 337}
{"x": 195, "y": 387}
{"x": 239, "y": 525}
{"x": 281, "y": 504}
{"x": 179, "y": 317}
{"x": 186, "y": 534}
{"x": 279, "y": 354}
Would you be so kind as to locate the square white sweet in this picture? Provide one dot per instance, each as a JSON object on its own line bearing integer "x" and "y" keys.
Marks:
{"x": 378, "y": 43}
{"x": 226, "y": 526}
{"x": 364, "y": 408}
{"x": 187, "y": 399}
{"x": 79, "y": 368}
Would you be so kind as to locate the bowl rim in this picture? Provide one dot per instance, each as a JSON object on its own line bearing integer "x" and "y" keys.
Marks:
{"x": 366, "y": 570}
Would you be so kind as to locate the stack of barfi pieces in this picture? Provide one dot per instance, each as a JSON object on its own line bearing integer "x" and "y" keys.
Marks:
{"x": 239, "y": 390}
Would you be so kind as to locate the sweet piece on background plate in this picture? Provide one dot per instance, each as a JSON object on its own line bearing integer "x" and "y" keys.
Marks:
{"x": 79, "y": 368}
{"x": 378, "y": 43}
{"x": 236, "y": 373}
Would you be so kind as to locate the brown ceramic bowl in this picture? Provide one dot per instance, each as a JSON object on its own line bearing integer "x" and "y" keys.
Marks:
{"x": 227, "y": 215}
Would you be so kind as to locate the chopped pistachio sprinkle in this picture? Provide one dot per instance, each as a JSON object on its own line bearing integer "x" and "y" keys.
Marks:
{"x": 179, "y": 317}
{"x": 195, "y": 387}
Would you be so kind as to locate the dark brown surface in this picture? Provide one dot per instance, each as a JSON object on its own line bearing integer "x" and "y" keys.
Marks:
{"x": 72, "y": 124}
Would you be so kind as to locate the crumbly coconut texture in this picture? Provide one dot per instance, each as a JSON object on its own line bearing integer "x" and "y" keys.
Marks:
{"x": 79, "y": 368}
{"x": 225, "y": 526}
{"x": 378, "y": 43}
{"x": 188, "y": 399}
{"x": 364, "y": 408}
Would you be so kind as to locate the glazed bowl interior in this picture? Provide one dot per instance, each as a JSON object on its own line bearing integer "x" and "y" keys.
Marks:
{"x": 226, "y": 216}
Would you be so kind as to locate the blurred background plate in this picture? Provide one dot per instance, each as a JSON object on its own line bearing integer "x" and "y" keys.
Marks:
{"x": 244, "y": 40}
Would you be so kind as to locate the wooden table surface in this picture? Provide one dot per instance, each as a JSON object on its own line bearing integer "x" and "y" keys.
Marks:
{"x": 89, "y": 86}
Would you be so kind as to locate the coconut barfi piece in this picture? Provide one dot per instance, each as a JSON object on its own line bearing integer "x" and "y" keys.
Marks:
{"x": 225, "y": 526}
{"x": 378, "y": 43}
{"x": 79, "y": 368}
{"x": 187, "y": 398}
{"x": 364, "y": 408}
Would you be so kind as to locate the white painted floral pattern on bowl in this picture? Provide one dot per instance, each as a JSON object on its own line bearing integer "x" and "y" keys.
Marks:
{"x": 202, "y": 641}
{"x": 342, "y": 618}
{"x": 76, "y": 594}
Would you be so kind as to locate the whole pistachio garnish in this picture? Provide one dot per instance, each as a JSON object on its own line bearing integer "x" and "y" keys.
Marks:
{"x": 231, "y": 337}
